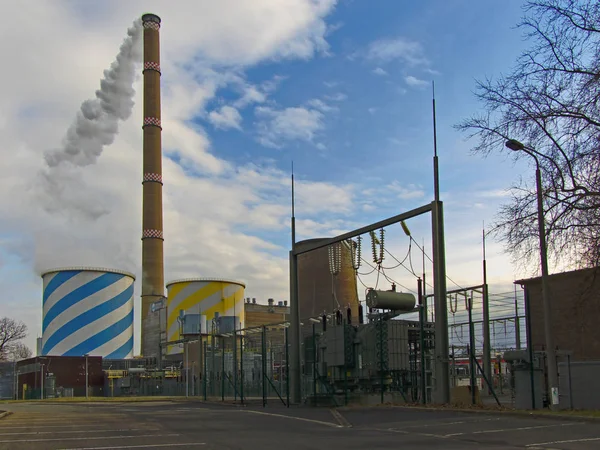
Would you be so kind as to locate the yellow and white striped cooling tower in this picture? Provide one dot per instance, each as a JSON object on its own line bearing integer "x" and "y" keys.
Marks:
{"x": 208, "y": 297}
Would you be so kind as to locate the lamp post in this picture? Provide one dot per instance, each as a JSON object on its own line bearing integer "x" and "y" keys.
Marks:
{"x": 550, "y": 350}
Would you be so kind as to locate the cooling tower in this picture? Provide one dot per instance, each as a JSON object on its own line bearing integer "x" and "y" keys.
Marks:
{"x": 211, "y": 298}
{"x": 317, "y": 285}
{"x": 153, "y": 279}
{"x": 87, "y": 311}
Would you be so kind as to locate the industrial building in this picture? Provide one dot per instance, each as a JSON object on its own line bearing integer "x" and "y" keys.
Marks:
{"x": 63, "y": 376}
{"x": 574, "y": 318}
{"x": 575, "y": 306}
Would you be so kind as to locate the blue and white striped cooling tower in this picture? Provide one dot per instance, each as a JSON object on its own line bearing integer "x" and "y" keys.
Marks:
{"x": 88, "y": 311}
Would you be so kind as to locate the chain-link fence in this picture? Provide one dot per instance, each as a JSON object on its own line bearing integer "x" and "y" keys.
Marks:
{"x": 248, "y": 365}
{"x": 379, "y": 361}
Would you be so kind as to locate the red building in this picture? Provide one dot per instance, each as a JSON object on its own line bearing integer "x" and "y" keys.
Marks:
{"x": 65, "y": 376}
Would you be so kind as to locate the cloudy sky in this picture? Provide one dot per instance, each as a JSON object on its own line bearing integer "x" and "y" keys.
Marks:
{"x": 342, "y": 88}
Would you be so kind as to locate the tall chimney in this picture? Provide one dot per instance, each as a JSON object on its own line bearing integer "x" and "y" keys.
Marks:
{"x": 153, "y": 278}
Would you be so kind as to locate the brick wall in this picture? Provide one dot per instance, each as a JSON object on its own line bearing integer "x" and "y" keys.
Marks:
{"x": 575, "y": 298}
{"x": 316, "y": 283}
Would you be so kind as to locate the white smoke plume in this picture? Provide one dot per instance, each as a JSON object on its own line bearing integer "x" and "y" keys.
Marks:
{"x": 96, "y": 124}
{"x": 61, "y": 183}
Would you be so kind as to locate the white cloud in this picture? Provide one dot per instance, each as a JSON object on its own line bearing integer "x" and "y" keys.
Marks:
{"x": 415, "y": 82}
{"x": 225, "y": 117}
{"x": 410, "y": 191}
{"x": 321, "y": 105}
{"x": 372, "y": 110}
{"x": 379, "y": 71}
{"x": 276, "y": 126}
{"x": 337, "y": 97}
{"x": 385, "y": 50}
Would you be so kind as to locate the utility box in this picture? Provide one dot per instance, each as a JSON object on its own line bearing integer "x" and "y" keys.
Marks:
{"x": 527, "y": 379}
{"x": 340, "y": 346}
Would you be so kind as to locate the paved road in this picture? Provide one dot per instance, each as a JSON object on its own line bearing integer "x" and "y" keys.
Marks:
{"x": 200, "y": 426}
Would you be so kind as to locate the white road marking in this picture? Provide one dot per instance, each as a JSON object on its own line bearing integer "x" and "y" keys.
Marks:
{"x": 55, "y": 426}
{"x": 74, "y": 431}
{"x": 189, "y": 444}
{"x": 89, "y": 438}
{"x": 564, "y": 442}
{"x": 537, "y": 427}
{"x": 329, "y": 424}
{"x": 340, "y": 419}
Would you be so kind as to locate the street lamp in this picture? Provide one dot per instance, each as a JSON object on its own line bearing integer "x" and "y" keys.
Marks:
{"x": 550, "y": 350}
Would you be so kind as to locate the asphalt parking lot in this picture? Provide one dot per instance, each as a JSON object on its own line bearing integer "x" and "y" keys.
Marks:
{"x": 190, "y": 425}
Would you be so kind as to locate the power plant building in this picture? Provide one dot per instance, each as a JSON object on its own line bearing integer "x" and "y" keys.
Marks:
{"x": 217, "y": 304}
{"x": 87, "y": 311}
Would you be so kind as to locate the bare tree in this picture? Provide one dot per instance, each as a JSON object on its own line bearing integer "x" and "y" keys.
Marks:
{"x": 550, "y": 101}
{"x": 11, "y": 332}
{"x": 19, "y": 351}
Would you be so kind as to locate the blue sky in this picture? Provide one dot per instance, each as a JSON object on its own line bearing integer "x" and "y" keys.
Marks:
{"x": 341, "y": 88}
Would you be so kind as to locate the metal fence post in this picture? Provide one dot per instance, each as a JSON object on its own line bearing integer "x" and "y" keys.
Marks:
{"x": 381, "y": 355}
{"x": 242, "y": 367}
{"x": 422, "y": 313}
{"x": 471, "y": 349}
{"x": 287, "y": 368}
{"x": 222, "y": 368}
{"x": 234, "y": 364}
{"x": 204, "y": 368}
{"x": 314, "y": 344}
{"x": 264, "y": 365}
{"x": 529, "y": 346}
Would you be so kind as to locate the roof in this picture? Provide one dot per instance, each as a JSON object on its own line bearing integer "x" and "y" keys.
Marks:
{"x": 87, "y": 269}
{"x": 569, "y": 273}
{"x": 206, "y": 279}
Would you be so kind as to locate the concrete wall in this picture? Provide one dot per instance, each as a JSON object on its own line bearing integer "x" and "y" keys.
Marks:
{"x": 584, "y": 386}
{"x": 575, "y": 300}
